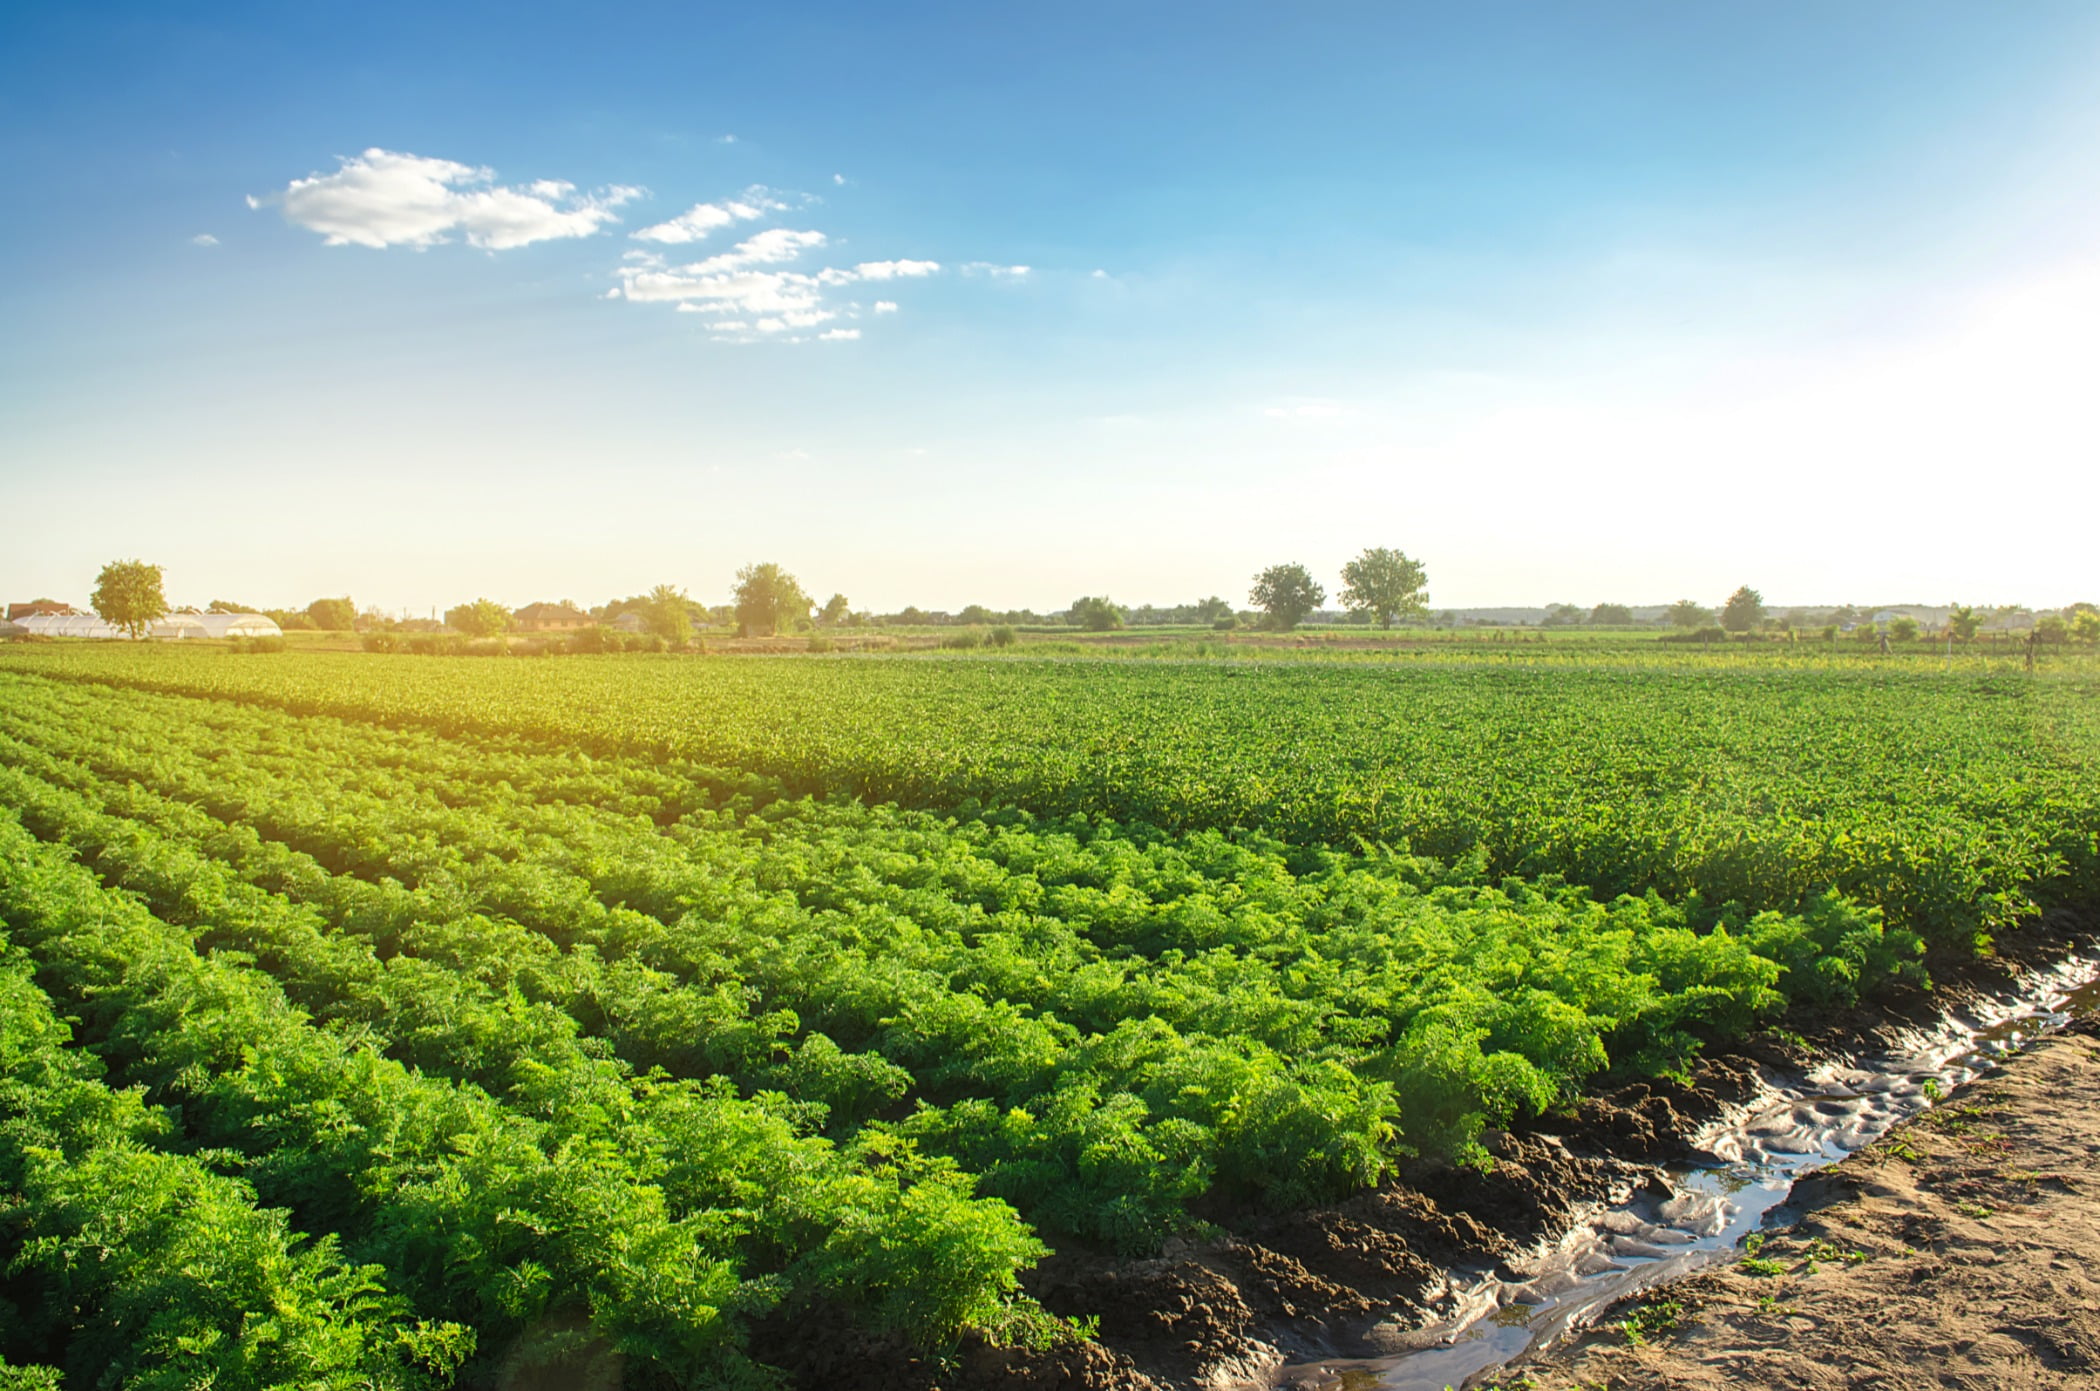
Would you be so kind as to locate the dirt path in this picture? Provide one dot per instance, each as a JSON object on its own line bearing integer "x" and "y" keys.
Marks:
{"x": 1963, "y": 1249}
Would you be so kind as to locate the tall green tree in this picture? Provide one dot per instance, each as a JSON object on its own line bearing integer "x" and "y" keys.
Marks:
{"x": 1386, "y": 584}
{"x": 484, "y": 618}
{"x": 1962, "y": 622}
{"x": 1611, "y": 616}
{"x": 333, "y": 615}
{"x": 128, "y": 594}
{"x": 834, "y": 611}
{"x": 1743, "y": 610}
{"x": 1212, "y": 610}
{"x": 769, "y": 599}
{"x": 1687, "y": 614}
{"x": 669, "y": 615}
{"x": 1287, "y": 593}
{"x": 1096, "y": 613}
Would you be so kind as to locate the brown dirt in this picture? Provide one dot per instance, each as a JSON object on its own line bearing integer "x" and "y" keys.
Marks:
{"x": 1963, "y": 1249}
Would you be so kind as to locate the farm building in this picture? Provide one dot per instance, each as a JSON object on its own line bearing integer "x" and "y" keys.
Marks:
{"x": 17, "y": 612}
{"x": 535, "y": 618}
{"x": 10, "y": 629}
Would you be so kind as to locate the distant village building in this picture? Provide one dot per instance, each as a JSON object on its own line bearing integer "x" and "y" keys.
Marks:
{"x": 540, "y": 618}
{"x": 17, "y": 612}
{"x": 631, "y": 623}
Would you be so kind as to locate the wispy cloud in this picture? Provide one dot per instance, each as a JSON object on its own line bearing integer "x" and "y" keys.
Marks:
{"x": 381, "y": 198}
{"x": 703, "y": 219}
{"x": 890, "y": 270}
{"x": 204, "y": 239}
{"x": 746, "y": 293}
{"x": 975, "y": 268}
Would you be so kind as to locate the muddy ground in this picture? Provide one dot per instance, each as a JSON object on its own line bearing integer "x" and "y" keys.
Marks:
{"x": 1963, "y": 1249}
{"x": 1351, "y": 1281}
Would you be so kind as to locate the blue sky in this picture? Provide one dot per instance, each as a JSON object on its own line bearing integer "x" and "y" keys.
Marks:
{"x": 1572, "y": 302}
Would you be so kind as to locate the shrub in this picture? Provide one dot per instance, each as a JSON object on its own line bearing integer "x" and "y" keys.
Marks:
{"x": 1224, "y": 625}
{"x": 379, "y": 640}
{"x": 1001, "y": 636}
{"x": 819, "y": 643}
{"x": 963, "y": 640}
{"x": 271, "y": 643}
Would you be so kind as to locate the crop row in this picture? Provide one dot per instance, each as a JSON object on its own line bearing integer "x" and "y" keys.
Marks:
{"x": 1956, "y": 801}
{"x": 1208, "y": 1014}
{"x": 669, "y": 1211}
{"x": 149, "y": 1269}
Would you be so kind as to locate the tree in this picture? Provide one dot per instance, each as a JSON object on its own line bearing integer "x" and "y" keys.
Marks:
{"x": 1743, "y": 609}
{"x": 228, "y": 606}
{"x": 1903, "y": 628}
{"x": 1383, "y": 583}
{"x": 1962, "y": 622}
{"x": 484, "y": 618}
{"x": 975, "y": 614}
{"x": 2048, "y": 627}
{"x": 1611, "y": 616}
{"x": 1212, "y": 610}
{"x": 669, "y": 615}
{"x": 769, "y": 599}
{"x": 1287, "y": 593}
{"x": 333, "y": 615}
{"x": 1686, "y": 614}
{"x": 2085, "y": 626}
{"x": 834, "y": 610}
{"x": 1096, "y": 613}
{"x": 128, "y": 594}
{"x": 1561, "y": 616}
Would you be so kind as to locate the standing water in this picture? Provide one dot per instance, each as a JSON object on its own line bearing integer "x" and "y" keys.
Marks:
{"x": 1695, "y": 1217}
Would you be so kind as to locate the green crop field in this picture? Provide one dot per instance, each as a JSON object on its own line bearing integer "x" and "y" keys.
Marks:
{"x": 365, "y": 1014}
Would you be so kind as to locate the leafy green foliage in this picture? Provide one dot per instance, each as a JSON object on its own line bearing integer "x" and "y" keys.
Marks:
{"x": 1385, "y": 584}
{"x": 1288, "y": 594}
{"x": 558, "y": 993}
{"x": 128, "y": 595}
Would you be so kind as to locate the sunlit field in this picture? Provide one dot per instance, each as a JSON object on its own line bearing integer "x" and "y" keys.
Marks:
{"x": 673, "y": 991}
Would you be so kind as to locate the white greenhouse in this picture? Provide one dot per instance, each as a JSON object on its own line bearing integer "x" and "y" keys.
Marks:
{"x": 175, "y": 627}
{"x": 69, "y": 625}
{"x": 237, "y": 625}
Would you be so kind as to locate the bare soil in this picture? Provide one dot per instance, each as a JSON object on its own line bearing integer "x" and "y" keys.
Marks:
{"x": 1963, "y": 1249}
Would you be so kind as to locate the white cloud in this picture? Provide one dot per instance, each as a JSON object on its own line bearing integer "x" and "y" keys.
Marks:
{"x": 704, "y": 218}
{"x": 768, "y": 248}
{"x": 996, "y": 271}
{"x": 839, "y": 179}
{"x": 382, "y": 198}
{"x": 891, "y": 270}
{"x": 204, "y": 239}
{"x": 838, "y": 334}
{"x": 725, "y": 140}
{"x": 885, "y": 306}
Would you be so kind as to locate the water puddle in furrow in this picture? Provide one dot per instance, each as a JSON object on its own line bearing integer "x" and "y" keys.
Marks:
{"x": 1754, "y": 1155}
